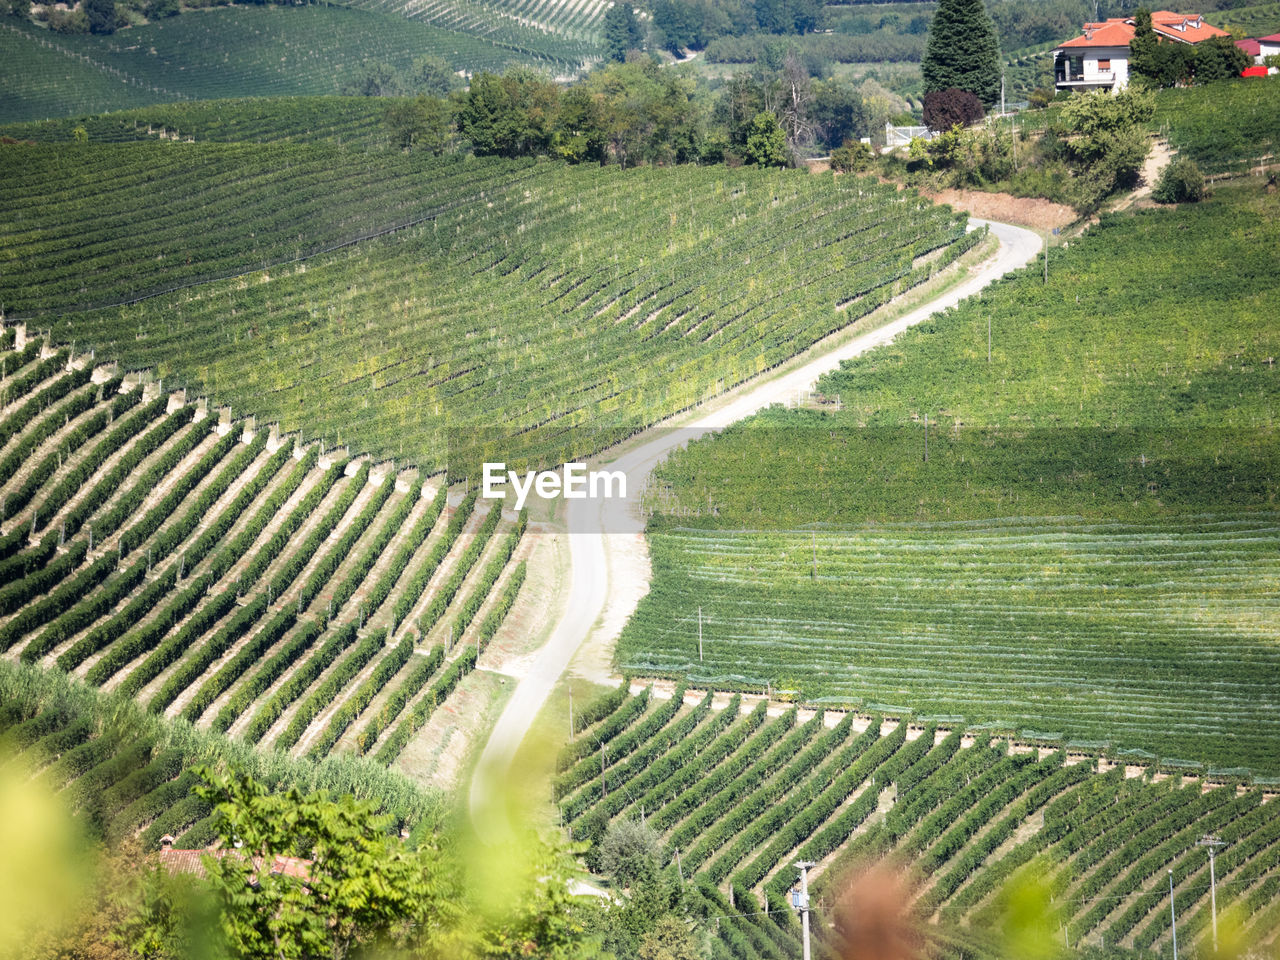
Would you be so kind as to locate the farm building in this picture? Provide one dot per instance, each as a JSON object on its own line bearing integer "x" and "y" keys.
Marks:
{"x": 1098, "y": 59}
{"x": 1260, "y": 48}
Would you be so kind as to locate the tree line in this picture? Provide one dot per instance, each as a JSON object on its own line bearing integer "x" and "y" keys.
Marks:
{"x": 639, "y": 112}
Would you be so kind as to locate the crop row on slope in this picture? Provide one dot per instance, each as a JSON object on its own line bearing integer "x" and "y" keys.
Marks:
{"x": 350, "y": 121}
{"x": 41, "y": 80}
{"x": 1093, "y": 522}
{"x": 243, "y": 51}
{"x": 127, "y": 769}
{"x": 1226, "y": 127}
{"x": 502, "y": 318}
{"x": 209, "y": 589}
{"x": 962, "y": 815}
{"x": 83, "y": 246}
{"x": 566, "y": 29}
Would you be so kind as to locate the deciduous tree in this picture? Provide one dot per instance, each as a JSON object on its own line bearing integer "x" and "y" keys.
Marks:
{"x": 101, "y": 14}
{"x": 362, "y": 885}
{"x": 943, "y": 109}
{"x": 766, "y": 142}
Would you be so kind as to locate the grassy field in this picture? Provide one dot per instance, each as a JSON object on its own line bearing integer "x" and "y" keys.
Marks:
{"x": 1089, "y": 551}
{"x": 740, "y": 795}
{"x": 506, "y": 315}
{"x": 254, "y": 51}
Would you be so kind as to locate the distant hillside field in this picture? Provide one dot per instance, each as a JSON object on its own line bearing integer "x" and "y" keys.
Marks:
{"x": 342, "y": 121}
{"x": 253, "y": 51}
{"x": 39, "y": 80}
{"x": 1089, "y": 551}
{"x": 563, "y": 306}
{"x": 570, "y": 26}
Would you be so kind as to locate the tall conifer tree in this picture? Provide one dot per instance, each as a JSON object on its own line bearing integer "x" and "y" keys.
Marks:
{"x": 962, "y": 51}
{"x": 621, "y": 31}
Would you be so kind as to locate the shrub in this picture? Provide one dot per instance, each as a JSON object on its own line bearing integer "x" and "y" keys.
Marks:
{"x": 943, "y": 109}
{"x": 852, "y": 157}
{"x": 1180, "y": 182}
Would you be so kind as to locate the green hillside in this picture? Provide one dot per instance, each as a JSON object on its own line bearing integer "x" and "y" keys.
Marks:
{"x": 129, "y": 773}
{"x": 1089, "y": 551}
{"x": 1224, "y": 127}
{"x": 569, "y": 27}
{"x": 547, "y": 302}
{"x": 350, "y": 121}
{"x": 42, "y": 79}
{"x": 253, "y": 51}
{"x": 223, "y": 575}
{"x": 570, "y": 19}
{"x": 736, "y": 796}
{"x": 209, "y": 210}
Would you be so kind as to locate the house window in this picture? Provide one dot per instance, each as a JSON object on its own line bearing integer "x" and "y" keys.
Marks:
{"x": 1104, "y": 65}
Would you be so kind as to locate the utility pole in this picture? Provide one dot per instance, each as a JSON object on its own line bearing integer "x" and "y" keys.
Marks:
{"x": 1173, "y": 917}
{"x": 571, "y": 711}
{"x": 800, "y": 900}
{"x": 699, "y": 634}
{"x": 1002, "y": 93}
{"x": 604, "y": 792}
{"x": 1212, "y": 843}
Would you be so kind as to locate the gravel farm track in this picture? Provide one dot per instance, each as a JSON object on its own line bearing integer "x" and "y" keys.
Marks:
{"x": 609, "y": 569}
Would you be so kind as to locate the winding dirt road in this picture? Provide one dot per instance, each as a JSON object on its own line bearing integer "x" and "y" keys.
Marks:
{"x": 605, "y": 535}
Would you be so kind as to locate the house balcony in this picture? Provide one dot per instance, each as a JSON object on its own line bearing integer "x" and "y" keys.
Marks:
{"x": 1067, "y": 80}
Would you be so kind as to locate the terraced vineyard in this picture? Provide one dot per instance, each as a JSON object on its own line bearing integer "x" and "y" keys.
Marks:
{"x": 497, "y": 317}
{"x": 1228, "y": 128}
{"x": 243, "y": 51}
{"x": 738, "y": 791}
{"x": 353, "y": 121}
{"x": 77, "y": 244}
{"x": 571, "y": 27}
{"x": 128, "y": 773}
{"x": 1088, "y": 548}
{"x": 297, "y": 599}
{"x": 42, "y": 79}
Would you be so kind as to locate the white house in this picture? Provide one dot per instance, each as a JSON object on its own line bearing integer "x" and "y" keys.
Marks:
{"x": 1261, "y": 48}
{"x": 1098, "y": 59}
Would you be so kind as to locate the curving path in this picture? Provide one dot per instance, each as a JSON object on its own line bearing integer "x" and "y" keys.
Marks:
{"x": 602, "y": 533}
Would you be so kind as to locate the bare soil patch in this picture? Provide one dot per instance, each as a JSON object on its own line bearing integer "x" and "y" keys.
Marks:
{"x": 1033, "y": 212}
{"x": 445, "y": 747}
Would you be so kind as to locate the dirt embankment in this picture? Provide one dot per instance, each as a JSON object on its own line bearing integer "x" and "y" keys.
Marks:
{"x": 1033, "y": 212}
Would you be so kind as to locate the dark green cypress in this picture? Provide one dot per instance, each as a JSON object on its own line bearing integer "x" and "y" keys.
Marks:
{"x": 621, "y": 31}
{"x": 963, "y": 51}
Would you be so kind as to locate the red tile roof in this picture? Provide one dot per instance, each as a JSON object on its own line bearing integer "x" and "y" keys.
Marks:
{"x": 1274, "y": 38}
{"x": 1251, "y": 47}
{"x": 1118, "y": 31}
{"x": 192, "y": 861}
